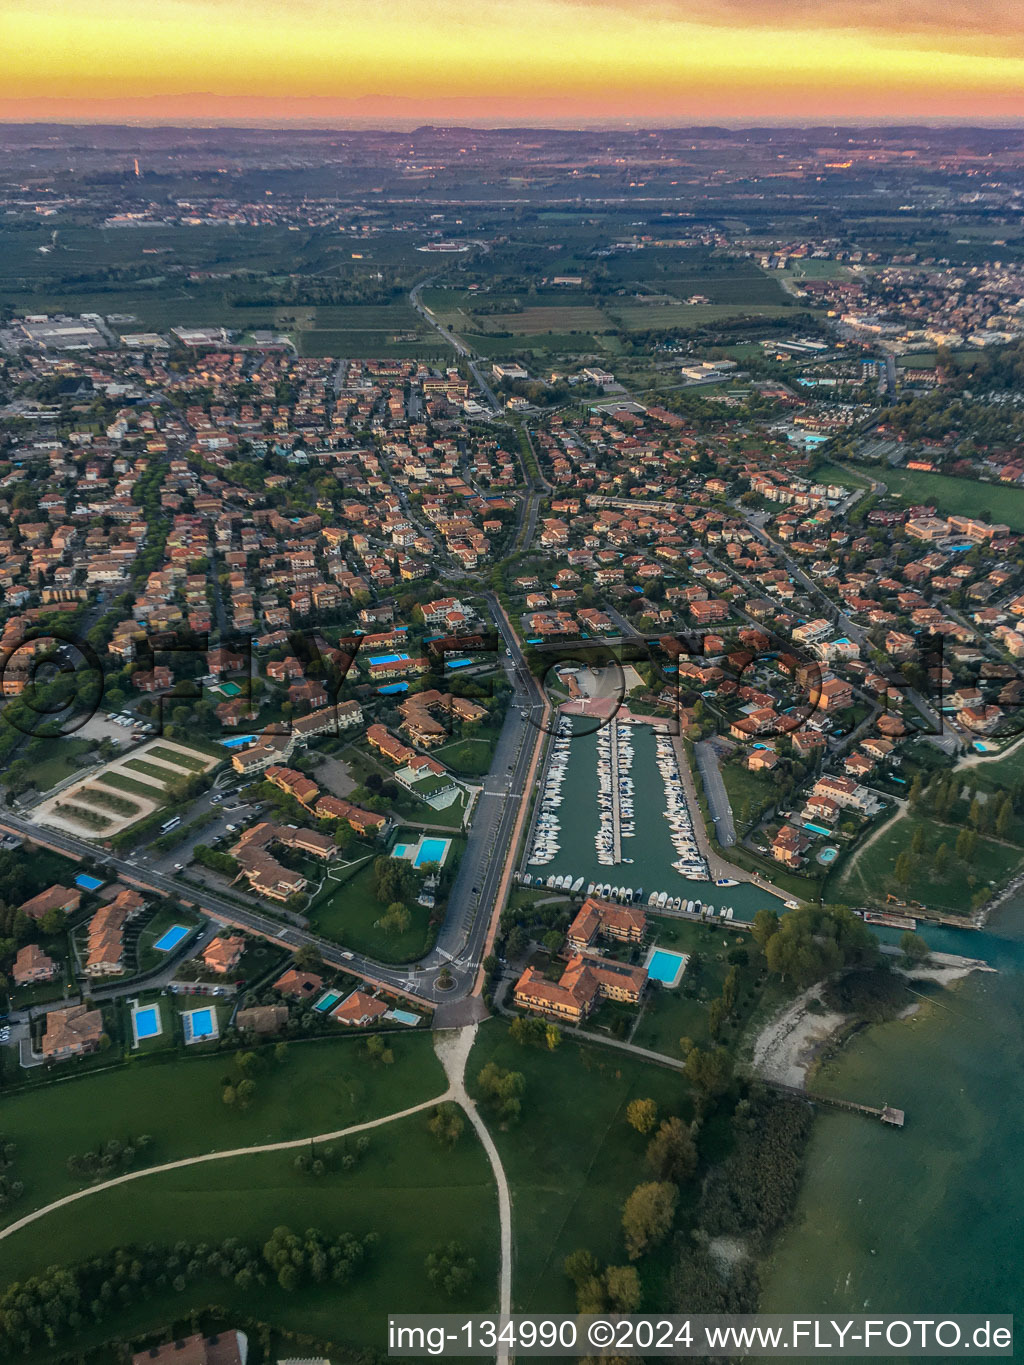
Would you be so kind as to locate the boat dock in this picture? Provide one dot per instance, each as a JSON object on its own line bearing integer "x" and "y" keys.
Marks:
{"x": 613, "y": 735}
{"x": 886, "y": 1112}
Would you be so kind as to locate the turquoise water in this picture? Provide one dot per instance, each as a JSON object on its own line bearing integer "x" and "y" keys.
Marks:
{"x": 327, "y": 1002}
{"x": 664, "y": 966}
{"x": 147, "y": 1022}
{"x": 200, "y": 1024}
{"x": 431, "y": 851}
{"x": 171, "y": 938}
{"x": 927, "y": 1218}
{"x": 404, "y": 1017}
{"x": 651, "y": 847}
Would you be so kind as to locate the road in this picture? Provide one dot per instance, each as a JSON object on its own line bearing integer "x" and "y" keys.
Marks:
{"x": 714, "y": 790}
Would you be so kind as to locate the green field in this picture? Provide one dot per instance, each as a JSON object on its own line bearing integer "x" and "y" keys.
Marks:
{"x": 571, "y": 1165}
{"x": 319, "y": 1087}
{"x": 55, "y": 759}
{"x": 869, "y": 874}
{"x": 963, "y": 497}
{"x": 468, "y": 757}
{"x": 408, "y": 1190}
{"x": 688, "y": 317}
{"x": 348, "y": 912}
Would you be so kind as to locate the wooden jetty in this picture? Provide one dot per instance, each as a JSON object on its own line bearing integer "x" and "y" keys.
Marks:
{"x": 886, "y": 1112}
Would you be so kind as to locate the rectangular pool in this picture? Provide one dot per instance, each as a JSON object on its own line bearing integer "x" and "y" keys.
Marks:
{"x": 431, "y": 851}
{"x": 146, "y": 1022}
{"x": 665, "y": 966}
{"x": 327, "y": 1002}
{"x": 389, "y": 659}
{"x": 171, "y": 938}
{"x": 88, "y": 883}
{"x": 200, "y": 1024}
{"x": 403, "y": 1017}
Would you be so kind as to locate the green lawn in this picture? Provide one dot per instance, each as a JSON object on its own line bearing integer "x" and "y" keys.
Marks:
{"x": 56, "y": 759}
{"x": 414, "y": 1194}
{"x": 469, "y": 757}
{"x": 347, "y": 912}
{"x": 153, "y": 770}
{"x": 749, "y": 793}
{"x": 194, "y": 765}
{"x": 122, "y": 783}
{"x": 869, "y": 875}
{"x": 572, "y": 1159}
{"x": 320, "y": 1086}
{"x": 148, "y": 956}
{"x": 682, "y": 1012}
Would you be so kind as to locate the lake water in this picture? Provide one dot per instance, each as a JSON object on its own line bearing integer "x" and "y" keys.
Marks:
{"x": 927, "y": 1219}
{"x": 650, "y": 848}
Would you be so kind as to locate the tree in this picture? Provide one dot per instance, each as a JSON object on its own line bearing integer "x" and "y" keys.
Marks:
{"x": 642, "y": 1115}
{"x": 553, "y": 941}
{"x": 647, "y": 1216}
{"x": 913, "y": 947}
{"x": 228, "y": 1095}
{"x": 446, "y": 1123}
{"x": 941, "y": 860}
{"x": 503, "y": 1089}
{"x": 308, "y": 959}
{"x": 708, "y": 1071}
{"x": 814, "y": 941}
{"x": 450, "y": 1269}
{"x": 552, "y": 1036}
{"x": 765, "y": 924}
{"x": 917, "y": 841}
{"x": 580, "y": 1266}
{"x": 623, "y": 1285}
{"x": 966, "y": 845}
{"x": 1004, "y": 816}
{"x": 396, "y": 919}
{"x": 672, "y": 1152}
{"x": 244, "y": 1091}
{"x": 903, "y": 870}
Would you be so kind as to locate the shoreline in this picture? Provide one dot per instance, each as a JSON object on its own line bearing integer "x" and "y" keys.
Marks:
{"x": 790, "y": 1045}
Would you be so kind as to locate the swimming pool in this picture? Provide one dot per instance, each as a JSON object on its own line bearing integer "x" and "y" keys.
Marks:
{"x": 236, "y": 741}
{"x": 327, "y": 1001}
{"x": 389, "y": 659}
{"x": 200, "y": 1024}
{"x": 400, "y": 851}
{"x": 665, "y": 966}
{"x": 431, "y": 851}
{"x": 403, "y": 1017}
{"x": 816, "y": 829}
{"x": 146, "y": 1022}
{"x": 827, "y": 855}
{"x": 171, "y": 938}
{"x": 88, "y": 883}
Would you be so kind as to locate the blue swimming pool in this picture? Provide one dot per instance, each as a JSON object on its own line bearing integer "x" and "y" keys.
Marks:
{"x": 88, "y": 883}
{"x": 431, "y": 851}
{"x": 665, "y": 967}
{"x": 171, "y": 938}
{"x": 146, "y": 1021}
{"x": 827, "y": 855}
{"x": 327, "y": 1001}
{"x": 389, "y": 659}
{"x": 236, "y": 741}
{"x": 404, "y": 1017}
{"x": 199, "y": 1024}
{"x": 816, "y": 829}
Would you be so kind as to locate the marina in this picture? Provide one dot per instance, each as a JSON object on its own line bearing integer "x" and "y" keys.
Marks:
{"x": 609, "y": 841}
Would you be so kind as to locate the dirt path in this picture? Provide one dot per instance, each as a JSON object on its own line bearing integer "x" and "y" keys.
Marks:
{"x": 453, "y": 1048}
{"x": 219, "y": 1156}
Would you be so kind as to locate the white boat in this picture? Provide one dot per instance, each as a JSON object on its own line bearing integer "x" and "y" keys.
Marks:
{"x": 590, "y": 888}
{"x": 551, "y": 881}
{"x": 689, "y": 907}
{"x": 577, "y": 884}
{"x": 725, "y": 881}
{"x": 662, "y": 899}
{"x": 652, "y": 899}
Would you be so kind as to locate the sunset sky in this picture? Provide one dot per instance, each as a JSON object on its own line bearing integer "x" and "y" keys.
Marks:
{"x": 721, "y": 59}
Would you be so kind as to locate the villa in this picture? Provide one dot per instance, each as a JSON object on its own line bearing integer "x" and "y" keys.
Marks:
{"x": 72, "y": 1032}
{"x": 585, "y": 982}
{"x": 604, "y": 919}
